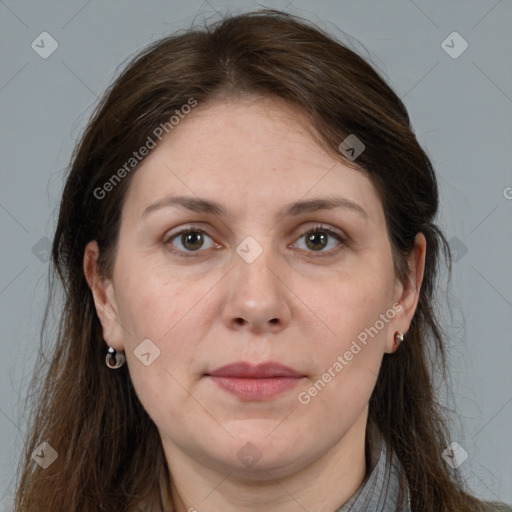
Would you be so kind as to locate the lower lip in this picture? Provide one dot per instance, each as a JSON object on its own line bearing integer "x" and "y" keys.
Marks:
{"x": 256, "y": 389}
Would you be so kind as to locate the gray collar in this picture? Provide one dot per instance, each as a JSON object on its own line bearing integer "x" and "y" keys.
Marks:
{"x": 385, "y": 487}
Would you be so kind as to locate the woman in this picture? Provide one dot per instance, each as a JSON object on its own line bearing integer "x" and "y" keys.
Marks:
{"x": 247, "y": 246}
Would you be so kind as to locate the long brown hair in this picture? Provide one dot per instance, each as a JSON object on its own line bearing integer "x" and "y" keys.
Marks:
{"x": 109, "y": 452}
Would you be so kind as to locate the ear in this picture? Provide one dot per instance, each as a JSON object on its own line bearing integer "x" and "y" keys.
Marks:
{"x": 104, "y": 298}
{"x": 407, "y": 294}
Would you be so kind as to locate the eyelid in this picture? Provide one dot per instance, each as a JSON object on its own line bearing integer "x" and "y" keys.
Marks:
{"x": 323, "y": 227}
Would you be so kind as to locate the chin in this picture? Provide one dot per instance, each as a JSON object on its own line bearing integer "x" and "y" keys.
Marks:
{"x": 257, "y": 459}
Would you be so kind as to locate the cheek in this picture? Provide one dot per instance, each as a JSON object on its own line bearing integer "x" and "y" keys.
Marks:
{"x": 355, "y": 312}
{"x": 154, "y": 304}
{"x": 350, "y": 304}
{"x": 162, "y": 311}
{"x": 346, "y": 362}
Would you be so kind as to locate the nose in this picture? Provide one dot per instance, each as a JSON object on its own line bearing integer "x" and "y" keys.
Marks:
{"x": 257, "y": 299}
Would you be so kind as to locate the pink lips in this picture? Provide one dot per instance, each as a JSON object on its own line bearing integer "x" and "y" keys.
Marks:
{"x": 255, "y": 382}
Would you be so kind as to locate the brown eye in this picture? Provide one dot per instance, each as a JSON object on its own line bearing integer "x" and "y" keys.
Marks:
{"x": 316, "y": 241}
{"x": 192, "y": 240}
{"x": 189, "y": 240}
{"x": 318, "y": 238}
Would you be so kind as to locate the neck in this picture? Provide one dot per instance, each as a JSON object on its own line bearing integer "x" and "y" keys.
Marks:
{"x": 324, "y": 485}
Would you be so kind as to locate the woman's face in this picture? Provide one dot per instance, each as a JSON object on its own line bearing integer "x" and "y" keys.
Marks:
{"x": 251, "y": 284}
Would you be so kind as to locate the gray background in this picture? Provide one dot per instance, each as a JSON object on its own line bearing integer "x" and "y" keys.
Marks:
{"x": 461, "y": 109}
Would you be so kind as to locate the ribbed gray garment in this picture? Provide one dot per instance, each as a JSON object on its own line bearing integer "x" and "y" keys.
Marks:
{"x": 385, "y": 487}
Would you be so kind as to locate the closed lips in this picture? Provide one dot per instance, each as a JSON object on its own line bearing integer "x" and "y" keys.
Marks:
{"x": 255, "y": 383}
{"x": 245, "y": 370}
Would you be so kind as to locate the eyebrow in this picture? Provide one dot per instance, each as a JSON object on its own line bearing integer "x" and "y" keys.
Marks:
{"x": 201, "y": 205}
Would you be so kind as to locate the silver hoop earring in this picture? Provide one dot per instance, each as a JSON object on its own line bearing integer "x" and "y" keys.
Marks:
{"x": 114, "y": 359}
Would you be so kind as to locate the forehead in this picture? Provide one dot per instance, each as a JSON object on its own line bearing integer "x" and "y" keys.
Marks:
{"x": 247, "y": 152}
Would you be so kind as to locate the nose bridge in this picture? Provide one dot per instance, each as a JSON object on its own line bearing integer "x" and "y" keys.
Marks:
{"x": 254, "y": 260}
{"x": 257, "y": 296}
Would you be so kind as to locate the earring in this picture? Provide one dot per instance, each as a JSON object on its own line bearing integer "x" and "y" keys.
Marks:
{"x": 114, "y": 359}
{"x": 399, "y": 337}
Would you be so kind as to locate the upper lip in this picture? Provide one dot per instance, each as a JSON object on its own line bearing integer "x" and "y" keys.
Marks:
{"x": 260, "y": 371}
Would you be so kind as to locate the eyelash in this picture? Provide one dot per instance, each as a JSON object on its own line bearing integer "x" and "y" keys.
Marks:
{"x": 318, "y": 228}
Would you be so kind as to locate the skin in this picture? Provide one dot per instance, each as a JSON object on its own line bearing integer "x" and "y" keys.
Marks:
{"x": 290, "y": 305}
